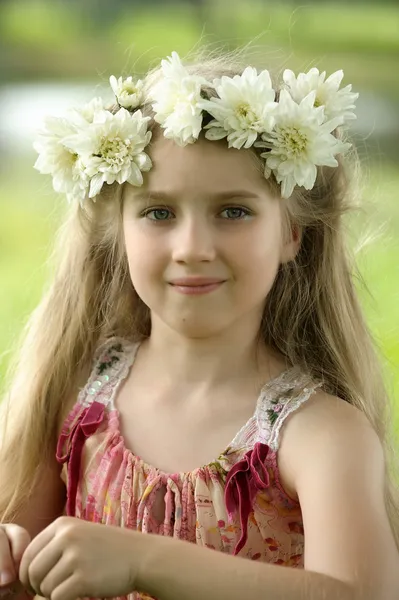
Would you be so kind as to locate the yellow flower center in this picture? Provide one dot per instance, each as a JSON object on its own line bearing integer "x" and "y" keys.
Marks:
{"x": 130, "y": 88}
{"x": 294, "y": 140}
{"x": 114, "y": 150}
{"x": 243, "y": 110}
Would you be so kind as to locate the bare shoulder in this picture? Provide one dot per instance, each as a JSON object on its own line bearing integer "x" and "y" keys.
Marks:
{"x": 322, "y": 420}
{"x": 325, "y": 413}
{"x": 333, "y": 461}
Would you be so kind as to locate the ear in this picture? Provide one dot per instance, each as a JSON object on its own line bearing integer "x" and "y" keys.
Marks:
{"x": 291, "y": 243}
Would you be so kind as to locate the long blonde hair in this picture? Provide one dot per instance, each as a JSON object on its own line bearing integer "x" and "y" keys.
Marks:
{"x": 312, "y": 316}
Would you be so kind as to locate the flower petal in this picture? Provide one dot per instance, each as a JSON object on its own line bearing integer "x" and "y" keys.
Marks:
{"x": 135, "y": 177}
{"x": 96, "y": 184}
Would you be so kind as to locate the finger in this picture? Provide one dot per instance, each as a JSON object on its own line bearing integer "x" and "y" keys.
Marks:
{"x": 7, "y": 569}
{"x": 13, "y": 542}
{"x": 42, "y": 565}
{"x": 54, "y": 578}
{"x": 36, "y": 546}
{"x": 19, "y": 540}
{"x": 70, "y": 589}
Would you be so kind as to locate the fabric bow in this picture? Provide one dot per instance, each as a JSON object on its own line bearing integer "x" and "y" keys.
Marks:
{"x": 88, "y": 422}
{"x": 243, "y": 481}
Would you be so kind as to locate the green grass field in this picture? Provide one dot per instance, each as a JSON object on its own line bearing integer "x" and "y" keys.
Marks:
{"x": 30, "y": 212}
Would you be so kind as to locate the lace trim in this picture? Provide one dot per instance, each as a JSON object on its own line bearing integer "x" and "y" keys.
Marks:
{"x": 278, "y": 403}
{"x": 113, "y": 360}
{"x": 278, "y": 398}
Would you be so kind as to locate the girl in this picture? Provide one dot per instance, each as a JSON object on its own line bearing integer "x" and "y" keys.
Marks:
{"x": 199, "y": 368}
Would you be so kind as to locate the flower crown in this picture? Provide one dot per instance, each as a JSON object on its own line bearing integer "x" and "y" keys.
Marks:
{"x": 92, "y": 145}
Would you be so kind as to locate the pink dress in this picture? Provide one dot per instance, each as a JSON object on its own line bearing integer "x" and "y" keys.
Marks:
{"x": 236, "y": 504}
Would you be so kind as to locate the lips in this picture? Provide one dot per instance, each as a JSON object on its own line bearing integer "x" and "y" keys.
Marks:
{"x": 196, "y": 286}
{"x": 195, "y": 281}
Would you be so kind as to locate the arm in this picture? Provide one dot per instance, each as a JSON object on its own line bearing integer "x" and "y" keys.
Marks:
{"x": 45, "y": 503}
{"x": 44, "y": 506}
{"x": 337, "y": 467}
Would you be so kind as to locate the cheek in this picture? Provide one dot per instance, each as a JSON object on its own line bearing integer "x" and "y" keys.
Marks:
{"x": 261, "y": 249}
{"x": 145, "y": 257}
{"x": 136, "y": 247}
{"x": 258, "y": 263}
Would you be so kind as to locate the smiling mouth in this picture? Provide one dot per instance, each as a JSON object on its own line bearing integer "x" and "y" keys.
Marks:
{"x": 192, "y": 288}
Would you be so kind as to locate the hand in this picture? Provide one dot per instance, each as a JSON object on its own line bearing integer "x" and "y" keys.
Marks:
{"x": 13, "y": 542}
{"x": 73, "y": 558}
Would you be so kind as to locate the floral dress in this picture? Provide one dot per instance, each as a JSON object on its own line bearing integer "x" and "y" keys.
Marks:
{"x": 236, "y": 504}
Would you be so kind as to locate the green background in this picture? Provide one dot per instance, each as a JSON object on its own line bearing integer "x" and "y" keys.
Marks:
{"x": 75, "y": 42}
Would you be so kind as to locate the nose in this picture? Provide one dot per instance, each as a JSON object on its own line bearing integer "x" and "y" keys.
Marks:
{"x": 194, "y": 241}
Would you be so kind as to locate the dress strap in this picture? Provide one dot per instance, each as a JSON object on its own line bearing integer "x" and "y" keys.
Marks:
{"x": 111, "y": 365}
{"x": 281, "y": 399}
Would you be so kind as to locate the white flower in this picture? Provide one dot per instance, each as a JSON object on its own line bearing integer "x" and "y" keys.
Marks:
{"x": 336, "y": 102}
{"x": 243, "y": 110}
{"x": 112, "y": 149}
{"x": 129, "y": 94}
{"x": 81, "y": 116}
{"x": 176, "y": 100}
{"x": 172, "y": 67}
{"x": 59, "y": 161}
{"x": 77, "y": 187}
{"x": 300, "y": 141}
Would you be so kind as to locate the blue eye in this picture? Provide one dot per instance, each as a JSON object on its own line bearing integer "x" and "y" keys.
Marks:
{"x": 230, "y": 213}
{"x": 159, "y": 214}
{"x": 235, "y": 213}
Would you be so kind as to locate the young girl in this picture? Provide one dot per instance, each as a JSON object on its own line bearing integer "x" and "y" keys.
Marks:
{"x": 199, "y": 368}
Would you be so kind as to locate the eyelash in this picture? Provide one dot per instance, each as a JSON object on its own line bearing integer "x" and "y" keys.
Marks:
{"x": 147, "y": 212}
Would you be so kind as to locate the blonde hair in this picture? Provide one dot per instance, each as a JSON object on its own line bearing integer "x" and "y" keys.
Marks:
{"x": 312, "y": 316}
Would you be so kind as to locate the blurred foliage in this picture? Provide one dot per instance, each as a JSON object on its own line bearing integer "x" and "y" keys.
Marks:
{"x": 72, "y": 39}
{"x": 90, "y": 39}
{"x": 39, "y": 25}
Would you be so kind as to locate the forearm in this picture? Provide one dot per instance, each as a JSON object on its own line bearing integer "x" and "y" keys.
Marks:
{"x": 177, "y": 570}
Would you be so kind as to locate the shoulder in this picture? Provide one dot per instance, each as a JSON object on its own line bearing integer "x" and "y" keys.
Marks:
{"x": 334, "y": 461}
{"x": 110, "y": 357}
{"x": 326, "y": 419}
{"x": 324, "y": 428}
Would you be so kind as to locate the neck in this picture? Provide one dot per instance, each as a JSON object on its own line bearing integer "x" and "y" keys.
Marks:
{"x": 234, "y": 354}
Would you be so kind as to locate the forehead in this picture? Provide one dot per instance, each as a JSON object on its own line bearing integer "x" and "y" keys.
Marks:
{"x": 203, "y": 168}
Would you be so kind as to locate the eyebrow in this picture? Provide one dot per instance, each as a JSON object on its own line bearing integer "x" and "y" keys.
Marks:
{"x": 165, "y": 197}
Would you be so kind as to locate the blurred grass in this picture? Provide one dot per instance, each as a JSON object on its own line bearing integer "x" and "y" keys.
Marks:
{"x": 51, "y": 25}
{"x": 31, "y": 211}
{"x": 60, "y": 40}
{"x": 362, "y": 39}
